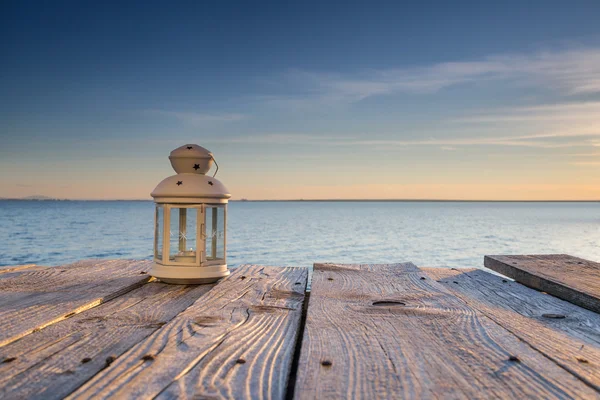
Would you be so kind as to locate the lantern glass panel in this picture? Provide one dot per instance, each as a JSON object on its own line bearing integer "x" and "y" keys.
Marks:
{"x": 215, "y": 232}
{"x": 182, "y": 234}
{"x": 158, "y": 232}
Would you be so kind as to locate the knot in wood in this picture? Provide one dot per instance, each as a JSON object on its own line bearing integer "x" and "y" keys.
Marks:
{"x": 388, "y": 303}
{"x": 554, "y": 316}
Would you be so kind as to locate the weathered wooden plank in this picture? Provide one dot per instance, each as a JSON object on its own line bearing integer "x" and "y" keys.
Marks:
{"x": 11, "y": 268}
{"x": 35, "y": 299}
{"x": 569, "y": 278}
{"x": 237, "y": 341}
{"x": 53, "y": 362}
{"x": 565, "y": 333}
{"x": 399, "y": 334}
{"x": 9, "y": 271}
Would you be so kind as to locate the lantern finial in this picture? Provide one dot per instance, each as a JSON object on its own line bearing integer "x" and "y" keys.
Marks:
{"x": 192, "y": 159}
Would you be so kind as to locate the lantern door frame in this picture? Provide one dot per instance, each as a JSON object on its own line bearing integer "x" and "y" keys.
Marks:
{"x": 216, "y": 261}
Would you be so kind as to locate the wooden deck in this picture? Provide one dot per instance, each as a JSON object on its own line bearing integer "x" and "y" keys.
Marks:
{"x": 105, "y": 329}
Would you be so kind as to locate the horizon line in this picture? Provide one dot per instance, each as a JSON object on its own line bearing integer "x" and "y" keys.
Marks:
{"x": 339, "y": 200}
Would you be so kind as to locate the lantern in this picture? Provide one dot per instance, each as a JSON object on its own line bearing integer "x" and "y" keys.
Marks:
{"x": 190, "y": 235}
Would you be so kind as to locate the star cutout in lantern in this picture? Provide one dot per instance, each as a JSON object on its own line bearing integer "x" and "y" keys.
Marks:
{"x": 210, "y": 183}
{"x": 179, "y": 183}
{"x": 189, "y": 147}
{"x": 196, "y": 166}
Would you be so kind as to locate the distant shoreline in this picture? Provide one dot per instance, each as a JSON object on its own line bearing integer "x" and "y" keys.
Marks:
{"x": 336, "y": 201}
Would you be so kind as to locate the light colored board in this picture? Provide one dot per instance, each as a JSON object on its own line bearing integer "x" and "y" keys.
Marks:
{"x": 11, "y": 268}
{"x": 360, "y": 343}
{"x": 9, "y": 271}
{"x": 35, "y": 299}
{"x": 237, "y": 341}
{"x": 569, "y": 278}
{"x": 438, "y": 274}
{"x": 53, "y": 362}
{"x": 573, "y": 342}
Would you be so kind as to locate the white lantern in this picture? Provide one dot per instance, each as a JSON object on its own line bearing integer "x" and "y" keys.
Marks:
{"x": 190, "y": 236}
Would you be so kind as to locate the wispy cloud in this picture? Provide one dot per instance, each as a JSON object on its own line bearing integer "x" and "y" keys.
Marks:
{"x": 196, "y": 118}
{"x": 585, "y": 155}
{"x": 570, "y": 112}
{"x": 446, "y": 144}
{"x": 277, "y": 138}
{"x": 547, "y": 125}
{"x": 510, "y": 141}
{"x": 568, "y": 71}
{"x": 586, "y": 163}
{"x": 572, "y": 73}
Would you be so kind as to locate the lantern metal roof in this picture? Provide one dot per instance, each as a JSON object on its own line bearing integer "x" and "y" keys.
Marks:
{"x": 191, "y": 185}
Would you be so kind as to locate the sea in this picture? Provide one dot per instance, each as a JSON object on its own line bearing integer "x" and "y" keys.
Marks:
{"x": 433, "y": 234}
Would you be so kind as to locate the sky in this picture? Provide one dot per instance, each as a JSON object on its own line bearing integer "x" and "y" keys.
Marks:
{"x": 477, "y": 100}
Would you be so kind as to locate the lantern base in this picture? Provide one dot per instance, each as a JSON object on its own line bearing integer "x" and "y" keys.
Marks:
{"x": 188, "y": 275}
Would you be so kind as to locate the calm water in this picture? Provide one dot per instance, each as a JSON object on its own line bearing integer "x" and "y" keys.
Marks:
{"x": 301, "y": 233}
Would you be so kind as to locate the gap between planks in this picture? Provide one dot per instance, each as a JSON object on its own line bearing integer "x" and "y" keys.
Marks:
{"x": 387, "y": 331}
{"x": 569, "y": 278}
{"x": 291, "y": 388}
{"x": 238, "y": 341}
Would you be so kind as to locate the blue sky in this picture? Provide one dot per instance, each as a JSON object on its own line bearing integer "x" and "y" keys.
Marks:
{"x": 474, "y": 100}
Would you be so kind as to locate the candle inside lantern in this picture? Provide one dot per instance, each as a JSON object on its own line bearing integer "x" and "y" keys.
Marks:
{"x": 186, "y": 256}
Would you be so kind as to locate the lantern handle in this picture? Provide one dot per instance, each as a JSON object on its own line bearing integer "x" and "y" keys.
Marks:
{"x": 217, "y": 165}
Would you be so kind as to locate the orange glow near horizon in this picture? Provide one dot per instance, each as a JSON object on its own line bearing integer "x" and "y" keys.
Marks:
{"x": 473, "y": 192}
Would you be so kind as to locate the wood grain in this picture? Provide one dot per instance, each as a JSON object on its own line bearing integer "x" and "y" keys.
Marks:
{"x": 569, "y": 278}
{"x": 9, "y": 271}
{"x": 53, "y": 362}
{"x": 34, "y": 299}
{"x": 391, "y": 332}
{"x": 565, "y": 333}
{"x": 237, "y": 341}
